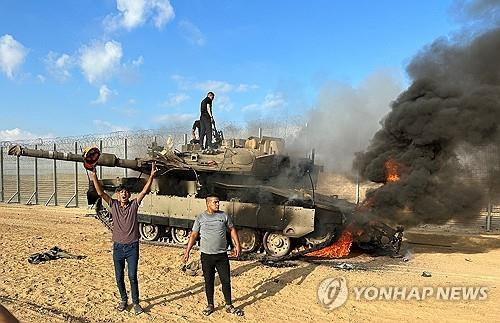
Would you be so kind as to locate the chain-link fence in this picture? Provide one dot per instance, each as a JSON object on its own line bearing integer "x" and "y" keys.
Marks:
{"x": 29, "y": 180}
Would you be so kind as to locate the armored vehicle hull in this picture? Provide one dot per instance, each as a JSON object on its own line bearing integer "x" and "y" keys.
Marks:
{"x": 269, "y": 195}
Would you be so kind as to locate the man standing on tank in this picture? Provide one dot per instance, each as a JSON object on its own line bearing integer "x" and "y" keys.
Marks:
{"x": 125, "y": 236}
{"x": 206, "y": 119}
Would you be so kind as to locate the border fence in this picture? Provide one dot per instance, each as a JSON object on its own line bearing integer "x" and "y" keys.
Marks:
{"x": 29, "y": 180}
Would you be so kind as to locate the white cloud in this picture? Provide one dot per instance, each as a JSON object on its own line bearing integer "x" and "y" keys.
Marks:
{"x": 12, "y": 55}
{"x": 271, "y": 101}
{"x": 134, "y": 13}
{"x": 164, "y": 12}
{"x": 17, "y": 134}
{"x": 250, "y": 107}
{"x": 218, "y": 87}
{"x": 222, "y": 103}
{"x": 192, "y": 33}
{"x": 174, "y": 99}
{"x": 182, "y": 82}
{"x": 245, "y": 87}
{"x": 59, "y": 65}
{"x": 177, "y": 77}
{"x": 100, "y": 60}
{"x": 41, "y": 78}
{"x": 104, "y": 94}
{"x": 126, "y": 109}
{"x": 106, "y": 126}
{"x": 175, "y": 118}
{"x": 215, "y": 86}
{"x": 222, "y": 90}
{"x": 138, "y": 62}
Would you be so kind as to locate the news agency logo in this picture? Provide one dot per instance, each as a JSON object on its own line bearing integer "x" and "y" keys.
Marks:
{"x": 333, "y": 292}
{"x": 439, "y": 293}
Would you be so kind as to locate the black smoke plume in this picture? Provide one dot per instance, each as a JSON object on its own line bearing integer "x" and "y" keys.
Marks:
{"x": 452, "y": 105}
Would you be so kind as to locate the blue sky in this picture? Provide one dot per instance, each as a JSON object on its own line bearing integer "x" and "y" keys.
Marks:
{"x": 78, "y": 67}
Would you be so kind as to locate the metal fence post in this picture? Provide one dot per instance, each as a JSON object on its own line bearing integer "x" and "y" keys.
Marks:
{"x": 76, "y": 176}
{"x": 488, "y": 217}
{"x": 185, "y": 139}
{"x": 100, "y": 167}
{"x": 125, "y": 153}
{"x": 18, "y": 180}
{"x": 260, "y": 133}
{"x": 55, "y": 178}
{"x": 2, "y": 198}
{"x": 35, "y": 168}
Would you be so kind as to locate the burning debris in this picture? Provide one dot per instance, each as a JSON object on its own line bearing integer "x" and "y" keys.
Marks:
{"x": 338, "y": 249}
{"x": 374, "y": 237}
{"x": 393, "y": 173}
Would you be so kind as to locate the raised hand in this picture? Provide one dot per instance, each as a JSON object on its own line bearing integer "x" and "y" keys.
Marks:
{"x": 154, "y": 170}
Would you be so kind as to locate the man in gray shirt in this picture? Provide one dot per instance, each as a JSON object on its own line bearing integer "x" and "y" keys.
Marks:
{"x": 212, "y": 226}
{"x": 125, "y": 236}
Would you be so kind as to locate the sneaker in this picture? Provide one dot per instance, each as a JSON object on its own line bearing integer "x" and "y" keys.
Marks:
{"x": 137, "y": 309}
{"x": 122, "y": 306}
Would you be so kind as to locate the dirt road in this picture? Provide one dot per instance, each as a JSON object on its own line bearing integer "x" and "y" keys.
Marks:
{"x": 85, "y": 291}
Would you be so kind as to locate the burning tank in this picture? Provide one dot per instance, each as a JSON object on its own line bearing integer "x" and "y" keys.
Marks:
{"x": 269, "y": 195}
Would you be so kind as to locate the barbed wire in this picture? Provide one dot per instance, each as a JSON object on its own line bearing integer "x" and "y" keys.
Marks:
{"x": 231, "y": 129}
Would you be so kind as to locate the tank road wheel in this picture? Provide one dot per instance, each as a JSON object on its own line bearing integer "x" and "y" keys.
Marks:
{"x": 180, "y": 235}
{"x": 149, "y": 232}
{"x": 249, "y": 239}
{"x": 276, "y": 244}
{"x": 317, "y": 239}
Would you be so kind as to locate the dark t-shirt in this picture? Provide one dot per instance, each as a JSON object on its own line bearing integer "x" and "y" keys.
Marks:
{"x": 125, "y": 221}
{"x": 204, "y": 107}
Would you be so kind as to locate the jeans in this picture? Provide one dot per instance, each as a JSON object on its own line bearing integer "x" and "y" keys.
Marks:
{"x": 130, "y": 253}
{"x": 209, "y": 263}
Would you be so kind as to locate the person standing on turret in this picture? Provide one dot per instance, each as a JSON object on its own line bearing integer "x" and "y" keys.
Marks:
{"x": 206, "y": 120}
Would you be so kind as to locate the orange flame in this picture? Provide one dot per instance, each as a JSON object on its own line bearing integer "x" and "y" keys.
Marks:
{"x": 392, "y": 173}
{"x": 338, "y": 249}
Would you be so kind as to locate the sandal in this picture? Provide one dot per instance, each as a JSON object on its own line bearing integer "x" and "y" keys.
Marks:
{"x": 209, "y": 310}
{"x": 233, "y": 310}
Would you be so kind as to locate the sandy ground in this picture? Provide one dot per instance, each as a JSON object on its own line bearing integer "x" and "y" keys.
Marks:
{"x": 84, "y": 290}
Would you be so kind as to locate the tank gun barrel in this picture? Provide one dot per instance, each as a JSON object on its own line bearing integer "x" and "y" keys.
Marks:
{"x": 109, "y": 160}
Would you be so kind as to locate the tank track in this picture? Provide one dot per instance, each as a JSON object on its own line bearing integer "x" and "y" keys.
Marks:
{"x": 168, "y": 242}
{"x": 294, "y": 254}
